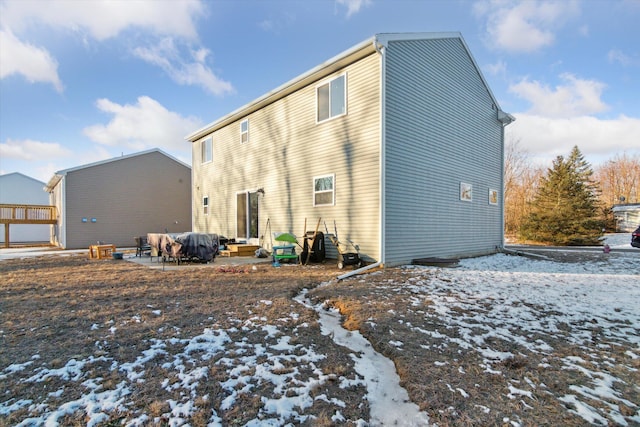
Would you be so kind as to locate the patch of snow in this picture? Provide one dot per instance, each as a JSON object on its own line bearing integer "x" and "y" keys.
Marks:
{"x": 389, "y": 403}
{"x": 514, "y": 392}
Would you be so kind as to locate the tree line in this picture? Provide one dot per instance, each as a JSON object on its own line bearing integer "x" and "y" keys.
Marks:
{"x": 569, "y": 203}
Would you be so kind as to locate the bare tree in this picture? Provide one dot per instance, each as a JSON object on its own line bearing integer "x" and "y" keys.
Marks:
{"x": 619, "y": 180}
{"x": 520, "y": 183}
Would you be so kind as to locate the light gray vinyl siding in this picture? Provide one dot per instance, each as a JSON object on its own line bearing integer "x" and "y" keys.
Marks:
{"x": 441, "y": 130}
{"x": 128, "y": 197}
{"x": 286, "y": 149}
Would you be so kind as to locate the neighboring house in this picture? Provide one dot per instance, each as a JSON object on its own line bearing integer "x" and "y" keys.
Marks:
{"x": 399, "y": 140}
{"x": 627, "y": 217}
{"x": 16, "y": 188}
{"x": 118, "y": 199}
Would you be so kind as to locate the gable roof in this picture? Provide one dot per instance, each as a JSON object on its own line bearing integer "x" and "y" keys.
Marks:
{"x": 373, "y": 44}
{"x": 7, "y": 175}
{"x": 627, "y": 207}
{"x": 61, "y": 173}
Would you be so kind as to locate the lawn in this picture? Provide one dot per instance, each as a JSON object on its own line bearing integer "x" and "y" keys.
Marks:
{"x": 501, "y": 340}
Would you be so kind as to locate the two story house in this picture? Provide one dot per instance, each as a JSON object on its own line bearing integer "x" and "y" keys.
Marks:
{"x": 398, "y": 141}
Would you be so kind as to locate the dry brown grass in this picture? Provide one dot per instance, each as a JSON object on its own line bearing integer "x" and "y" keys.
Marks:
{"x": 61, "y": 308}
{"x": 434, "y": 371}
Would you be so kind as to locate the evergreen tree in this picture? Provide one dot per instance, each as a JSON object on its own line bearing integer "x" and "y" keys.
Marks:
{"x": 564, "y": 209}
{"x": 584, "y": 171}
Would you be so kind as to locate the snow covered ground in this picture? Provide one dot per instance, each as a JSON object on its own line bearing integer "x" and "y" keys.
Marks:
{"x": 606, "y": 292}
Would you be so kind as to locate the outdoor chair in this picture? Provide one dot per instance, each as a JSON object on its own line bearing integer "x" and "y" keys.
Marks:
{"x": 285, "y": 250}
{"x": 142, "y": 246}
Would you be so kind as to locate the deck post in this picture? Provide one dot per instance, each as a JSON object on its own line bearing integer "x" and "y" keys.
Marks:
{"x": 6, "y": 235}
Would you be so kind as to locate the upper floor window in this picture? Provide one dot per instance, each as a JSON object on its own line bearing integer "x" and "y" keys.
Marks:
{"x": 323, "y": 190}
{"x": 207, "y": 150}
{"x": 244, "y": 131}
{"x": 332, "y": 98}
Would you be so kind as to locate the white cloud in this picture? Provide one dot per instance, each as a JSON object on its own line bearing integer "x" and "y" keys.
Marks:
{"x": 106, "y": 19}
{"x": 620, "y": 57}
{"x": 147, "y": 124}
{"x": 576, "y": 97}
{"x": 99, "y": 20}
{"x": 523, "y": 26}
{"x": 353, "y": 6}
{"x": 33, "y": 63}
{"x": 497, "y": 69}
{"x": 277, "y": 23}
{"x": 192, "y": 71}
{"x": 31, "y": 150}
{"x": 563, "y": 116}
{"x": 547, "y": 137}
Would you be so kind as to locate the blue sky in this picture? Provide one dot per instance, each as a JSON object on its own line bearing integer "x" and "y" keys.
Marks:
{"x": 83, "y": 81}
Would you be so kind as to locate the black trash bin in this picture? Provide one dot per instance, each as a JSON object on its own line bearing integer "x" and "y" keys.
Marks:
{"x": 318, "y": 251}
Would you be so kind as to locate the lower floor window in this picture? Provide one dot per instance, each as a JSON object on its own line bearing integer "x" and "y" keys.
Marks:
{"x": 324, "y": 190}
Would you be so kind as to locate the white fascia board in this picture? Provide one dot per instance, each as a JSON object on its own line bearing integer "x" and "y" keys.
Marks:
{"x": 385, "y": 38}
{"x": 337, "y": 62}
{"x": 350, "y": 55}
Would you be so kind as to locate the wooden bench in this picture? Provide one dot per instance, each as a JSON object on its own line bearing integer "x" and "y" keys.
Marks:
{"x": 234, "y": 249}
{"x": 101, "y": 251}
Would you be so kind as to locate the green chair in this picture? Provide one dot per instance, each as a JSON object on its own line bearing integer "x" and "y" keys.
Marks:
{"x": 285, "y": 250}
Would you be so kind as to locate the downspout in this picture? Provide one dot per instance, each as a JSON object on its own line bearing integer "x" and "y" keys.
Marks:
{"x": 62, "y": 219}
{"x": 359, "y": 270}
{"x": 505, "y": 119}
{"x": 195, "y": 191}
{"x": 503, "y": 192}
{"x": 380, "y": 48}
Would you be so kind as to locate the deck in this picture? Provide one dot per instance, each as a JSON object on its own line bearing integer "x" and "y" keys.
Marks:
{"x": 26, "y": 214}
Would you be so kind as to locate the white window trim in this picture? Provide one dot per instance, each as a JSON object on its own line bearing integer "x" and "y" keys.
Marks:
{"x": 491, "y": 192}
{"x": 346, "y": 98}
{"x": 466, "y": 192}
{"x": 333, "y": 190}
{"x": 242, "y": 133}
{"x": 202, "y": 150}
{"x": 205, "y": 205}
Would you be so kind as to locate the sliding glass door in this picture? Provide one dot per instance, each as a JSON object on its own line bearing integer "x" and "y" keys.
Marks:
{"x": 247, "y": 215}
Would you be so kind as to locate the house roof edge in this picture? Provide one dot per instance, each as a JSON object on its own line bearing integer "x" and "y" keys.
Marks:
{"x": 348, "y": 56}
{"x": 23, "y": 175}
{"x": 360, "y": 50}
{"x": 384, "y": 39}
{"x": 57, "y": 176}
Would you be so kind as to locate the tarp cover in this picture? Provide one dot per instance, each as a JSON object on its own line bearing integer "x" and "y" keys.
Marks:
{"x": 195, "y": 245}
{"x": 161, "y": 242}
